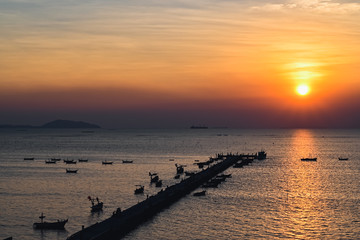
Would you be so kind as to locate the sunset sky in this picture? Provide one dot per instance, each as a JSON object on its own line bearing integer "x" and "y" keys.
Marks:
{"x": 145, "y": 63}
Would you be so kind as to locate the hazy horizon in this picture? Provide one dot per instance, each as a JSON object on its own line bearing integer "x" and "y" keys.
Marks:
{"x": 159, "y": 64}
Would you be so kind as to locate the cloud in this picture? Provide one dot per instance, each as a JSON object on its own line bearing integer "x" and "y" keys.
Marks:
{"x": 319, "y": 6}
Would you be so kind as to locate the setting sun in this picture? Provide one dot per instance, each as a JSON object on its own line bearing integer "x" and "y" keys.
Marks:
{"x": 302, "y": 89}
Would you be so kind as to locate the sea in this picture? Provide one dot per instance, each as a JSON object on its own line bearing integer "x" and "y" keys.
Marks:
{"x": 280, "y": 197}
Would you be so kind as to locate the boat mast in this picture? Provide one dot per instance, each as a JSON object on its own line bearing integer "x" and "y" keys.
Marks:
{"x": 42, "y": 217}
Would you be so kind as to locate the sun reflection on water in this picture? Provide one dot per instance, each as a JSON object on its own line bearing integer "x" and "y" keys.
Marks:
{"x": 303, "y": 186}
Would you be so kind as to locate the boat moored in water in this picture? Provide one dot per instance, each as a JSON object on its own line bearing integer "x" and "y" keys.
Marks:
{"x": 139, "y": 189}
{"x": 96, "y": 207}
{"x": 107, "y": 162}
{"x": 153, "y": 177}
{"x": 69, "y": 161}
{"x": 50, "y": 161}
{"x": 309, "y": 159}
{"x": 343, "y": 159}
{"x": 202, "y": 193}
{"x": 158, "y": 183}
{"x": 29, "y": 158}
{"x": 69, "y": 170}
{"x": 179, "y": 168}
{"x": 59, "y": 224}
{"x": 127, "y": 161}
{"x": 83, "y": 160}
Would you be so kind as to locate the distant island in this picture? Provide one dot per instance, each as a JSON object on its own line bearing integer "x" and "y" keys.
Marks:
{"x": 199, "y": 127}
{"x": 56, "y": 124}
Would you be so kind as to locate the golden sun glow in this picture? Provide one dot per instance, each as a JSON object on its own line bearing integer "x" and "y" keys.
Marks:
{"x": 303, "y": 89}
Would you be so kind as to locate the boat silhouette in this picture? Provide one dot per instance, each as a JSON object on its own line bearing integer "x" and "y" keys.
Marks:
{"x": 59, "y": 224}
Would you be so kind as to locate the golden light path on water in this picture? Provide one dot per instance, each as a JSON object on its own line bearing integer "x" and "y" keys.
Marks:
{"x": 281, "y": 197}
{"x": 304, "y": 188}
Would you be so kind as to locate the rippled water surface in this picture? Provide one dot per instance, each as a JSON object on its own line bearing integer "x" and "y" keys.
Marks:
{"x": 278, "y": 198}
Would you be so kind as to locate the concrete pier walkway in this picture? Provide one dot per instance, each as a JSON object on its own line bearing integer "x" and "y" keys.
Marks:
{"x": 123, "y": 222}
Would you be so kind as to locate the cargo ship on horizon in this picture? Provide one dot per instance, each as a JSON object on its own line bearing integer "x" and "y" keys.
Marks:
{"x": 199, "y": 127}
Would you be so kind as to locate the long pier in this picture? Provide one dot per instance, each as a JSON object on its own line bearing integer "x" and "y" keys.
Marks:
{"x": 123, "y": 222}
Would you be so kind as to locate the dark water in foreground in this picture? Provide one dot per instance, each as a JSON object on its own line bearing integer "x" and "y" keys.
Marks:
{"x": 279, "y": 198}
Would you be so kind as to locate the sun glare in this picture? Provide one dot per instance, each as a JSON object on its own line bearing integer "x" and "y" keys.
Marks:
{"x": 302, "y": 89}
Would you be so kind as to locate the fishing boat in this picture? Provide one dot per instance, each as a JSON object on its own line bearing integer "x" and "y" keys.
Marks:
{"x": 309, "y": 159}
{"x": 50, "y": 161}
{"x": 179, "y": 168}
{"x": 59, "y": 224}
{"x": 83, "y": 160}
{"x": 68, "y": 170}
{"x": 343, "y": 159}
{"x": 158, "y": 183}
{"x": 202, "y": 193}
{"x": 96, "y": 207}
{"x": 29, "y": 158}
{"x": 69, "y": 161}
{"x": 153, "y": 177}
{"x": 127, "y": 161}
{"x": 107, "y": 162}
{"x": 139, "y": 189}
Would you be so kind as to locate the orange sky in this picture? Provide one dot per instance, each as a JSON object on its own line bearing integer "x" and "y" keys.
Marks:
{"x": 182, "y": 60}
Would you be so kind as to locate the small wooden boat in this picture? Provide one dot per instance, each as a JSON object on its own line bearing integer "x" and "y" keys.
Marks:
{"x": 343, "y": 159}
{"x": 70, "y": 161}
{"x": 202, "y": 193}
{"x": 83, "y": 160}
{"x": 153, "y": 177}
{"x": 96, "y": 207}
{"x": 158, "y": 183}
{"x": 309, "y": 159}
{"x": 68, "y": 170}
{"x": 127, "y": 161}
{"x": 139, "y": 189}
{"x": 179, "y": 168}
{"x": 107, "y": 162}
{"x": 50, "y": 161}
{"x": 29, "y": 158}
{"x": 59, "y": 224}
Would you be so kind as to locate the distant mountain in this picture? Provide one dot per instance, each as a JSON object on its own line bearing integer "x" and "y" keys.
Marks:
{"x": 56, "y": 124}
{"x": 69, "y": 124}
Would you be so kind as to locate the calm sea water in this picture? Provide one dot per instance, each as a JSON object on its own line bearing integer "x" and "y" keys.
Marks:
{"x": 278, "y": 198}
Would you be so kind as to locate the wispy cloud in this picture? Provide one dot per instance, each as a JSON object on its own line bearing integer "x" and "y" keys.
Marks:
{"x": 320, "y": 6}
